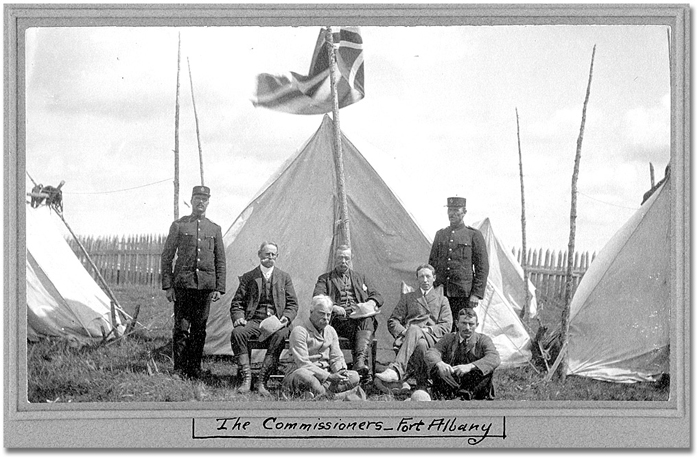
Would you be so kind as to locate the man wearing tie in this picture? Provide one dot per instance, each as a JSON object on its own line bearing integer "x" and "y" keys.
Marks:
{"x": 461, "y": 364}
{"x": 263, "y": 292}
{"x": 418, "y": 321}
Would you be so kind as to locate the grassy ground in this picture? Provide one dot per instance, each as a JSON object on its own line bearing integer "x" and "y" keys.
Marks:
{"x": 138, "y": 369}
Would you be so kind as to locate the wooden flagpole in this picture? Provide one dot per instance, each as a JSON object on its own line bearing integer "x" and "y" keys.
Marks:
{"x": 566, "y": 313}
{"x": 176, "y": 179}
{"x": 344, "y": 225}
{"x": 196, "y": 125}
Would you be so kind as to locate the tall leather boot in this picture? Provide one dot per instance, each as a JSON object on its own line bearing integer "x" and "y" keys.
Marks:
{"x": 244, "y": 373}
{"x": 269, "y": 364}
{"x": 362, "y": 342}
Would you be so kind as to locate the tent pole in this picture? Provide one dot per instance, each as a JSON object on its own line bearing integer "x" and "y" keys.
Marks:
{"x": 113, "y": 303}
{"x": 176, "y": 179}
{"x": 338, "y": 153}
{"x": 196, "y": 125}
{"x": 566, "y": 313}
{"x": 524, "y": 312}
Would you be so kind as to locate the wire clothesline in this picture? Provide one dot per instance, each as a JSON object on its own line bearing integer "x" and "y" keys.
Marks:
{"x": 122, "y": 190}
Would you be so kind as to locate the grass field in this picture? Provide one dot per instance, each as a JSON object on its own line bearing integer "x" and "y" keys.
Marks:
{"x": 139, "y": 369}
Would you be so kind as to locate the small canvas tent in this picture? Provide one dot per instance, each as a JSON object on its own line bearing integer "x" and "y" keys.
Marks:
{"x": 62, "y": 298}
{"x": 620, "y": 313}
{"x": 504, "y": 298}
{"x": 297, "y": 209}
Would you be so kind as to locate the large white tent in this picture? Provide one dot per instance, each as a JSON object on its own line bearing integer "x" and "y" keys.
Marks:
{"x": 62, "y": 298}
{"x": 298, "y": 209}
{"x": 620, "y": 313}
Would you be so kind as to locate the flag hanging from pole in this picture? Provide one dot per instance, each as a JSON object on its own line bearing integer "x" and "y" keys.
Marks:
{"x": 311, "y": 94}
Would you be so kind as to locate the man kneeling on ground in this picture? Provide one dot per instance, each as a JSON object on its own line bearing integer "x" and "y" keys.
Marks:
{"x": 461, "y": 364}
{"x": 319, "y": 366}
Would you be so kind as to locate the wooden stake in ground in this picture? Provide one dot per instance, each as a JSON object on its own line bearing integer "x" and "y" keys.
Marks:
{"x": 523, "y": 260}
{"x": 566, "y": 313}
{"x": 196, "y": 125}
{"x": 344, "y": 223}
{"x": 176, "y": 179}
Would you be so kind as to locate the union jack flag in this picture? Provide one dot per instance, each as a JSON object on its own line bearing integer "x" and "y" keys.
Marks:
{"x": 311, "y": 94}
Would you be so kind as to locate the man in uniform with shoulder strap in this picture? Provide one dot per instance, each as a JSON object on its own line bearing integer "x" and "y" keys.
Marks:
{"x": 197, "y": 279}
{"x": 460, "y": 259}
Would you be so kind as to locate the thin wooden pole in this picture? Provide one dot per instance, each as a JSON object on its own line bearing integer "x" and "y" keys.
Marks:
{"x": 176, "y": 179}
{"x": 651, "y": 174}
{"x": 566, "y": 313}
{"x": 114, "y": 304}
{"x": 344, "y": 232}
{"x": 196, "y": 125}
{"x": 524, "y": 312}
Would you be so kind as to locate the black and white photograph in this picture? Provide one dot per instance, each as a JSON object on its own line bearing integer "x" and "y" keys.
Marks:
{"x": 349, "y": 226}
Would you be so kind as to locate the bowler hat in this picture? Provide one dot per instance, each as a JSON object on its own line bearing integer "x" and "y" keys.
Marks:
{"x": 456, "y": 202}
{"x": 200, "y": 191}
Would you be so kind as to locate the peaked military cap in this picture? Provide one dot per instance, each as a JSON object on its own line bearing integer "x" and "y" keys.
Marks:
{"x": 200, "y": 191}
{"x": 456, "y": 202}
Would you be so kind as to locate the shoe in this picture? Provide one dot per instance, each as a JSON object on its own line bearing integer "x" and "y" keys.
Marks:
{"x": 244, "y": 373}
{"x": 389, "y": 375}
{"x": 359, "y": 358}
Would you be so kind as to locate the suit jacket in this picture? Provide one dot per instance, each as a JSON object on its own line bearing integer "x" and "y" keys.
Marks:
{"x": 432, "y": 313}
{"x": 247, "y": 296}
{"x": 481, "y": 352}
{"x": 330, "y": 285}
{"x": 201, "y": 257}
{"x": 461, "y": 261}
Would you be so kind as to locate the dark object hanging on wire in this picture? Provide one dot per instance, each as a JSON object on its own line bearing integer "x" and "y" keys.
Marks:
{"x": 52, "y": 196}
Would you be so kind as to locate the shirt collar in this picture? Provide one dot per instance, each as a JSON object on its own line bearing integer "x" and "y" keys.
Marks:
{"x": 425, "y": 293}
{"x": 266, "y": 271}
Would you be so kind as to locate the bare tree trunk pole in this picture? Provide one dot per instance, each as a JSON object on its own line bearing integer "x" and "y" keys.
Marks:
{"x": 566, "y": 313}
{"x": 523, "y": 262}
{"x": 176, "y": 179}
{"x": 344, "y": 233}
{"x": 196, "y": 125}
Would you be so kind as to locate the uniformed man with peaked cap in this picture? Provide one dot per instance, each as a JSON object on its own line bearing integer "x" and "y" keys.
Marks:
{"x": 460, "y": 259}
{"x": 197, "y": 278}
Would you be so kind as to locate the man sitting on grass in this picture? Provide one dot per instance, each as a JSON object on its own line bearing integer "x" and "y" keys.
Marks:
{"x": 319, "y": 366}
{"x": 461, "y": 364}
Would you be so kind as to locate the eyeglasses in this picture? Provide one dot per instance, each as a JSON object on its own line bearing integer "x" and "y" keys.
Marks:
{"x": 268, "y": 255}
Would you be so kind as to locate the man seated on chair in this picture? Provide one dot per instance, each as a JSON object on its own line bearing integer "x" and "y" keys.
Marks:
{"x": 419, "y": 320}
{"x": 350, "y": 291}
{"x": 461, "y": 364}
{"x": 319, "y": 366}
{"x": 265, "y": 291}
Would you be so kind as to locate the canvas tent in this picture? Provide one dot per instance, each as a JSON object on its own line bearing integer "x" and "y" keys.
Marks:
{"x": 503, "y": 301}
{"x": 62, "y": 298}
{"x": 298, "y": 209}
{"x": 387, "y": 243}
{"x": 620, "y": 313}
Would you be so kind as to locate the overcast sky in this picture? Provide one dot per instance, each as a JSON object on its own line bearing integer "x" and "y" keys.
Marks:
{"x": 438, "y": 120}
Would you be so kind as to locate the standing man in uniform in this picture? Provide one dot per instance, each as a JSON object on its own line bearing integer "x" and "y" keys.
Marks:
{"x": 265, "y": 291}
{"x": 460, "y": 259}
{"x": 197, "y": 279}
{"x": 349, "y": 290}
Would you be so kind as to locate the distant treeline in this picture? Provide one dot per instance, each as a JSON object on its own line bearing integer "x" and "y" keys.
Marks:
{"x": 135, "y": 260}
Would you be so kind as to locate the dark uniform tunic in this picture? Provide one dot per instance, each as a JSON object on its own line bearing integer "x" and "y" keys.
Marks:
{"x": 461, "y": 264}
{"x": 200, "y": 269}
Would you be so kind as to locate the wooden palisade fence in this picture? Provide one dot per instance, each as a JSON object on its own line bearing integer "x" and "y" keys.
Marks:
{"x": 135, "y": 260}
{"x": 547, "y": 270}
